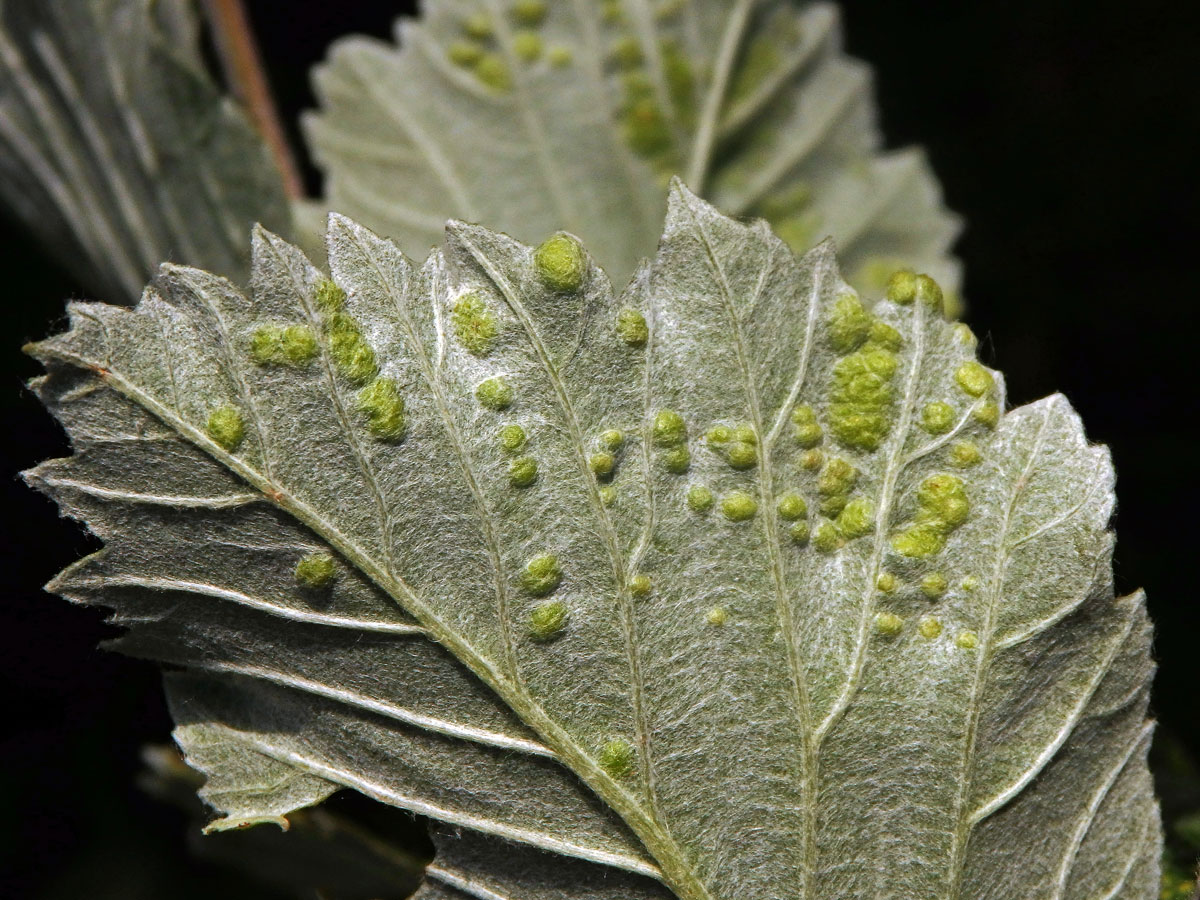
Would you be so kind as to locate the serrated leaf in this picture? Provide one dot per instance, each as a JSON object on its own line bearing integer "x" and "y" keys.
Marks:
{"x": 531, "y": 117}
{"x": 788, "y": 609}
{"x": 118, "y": 151}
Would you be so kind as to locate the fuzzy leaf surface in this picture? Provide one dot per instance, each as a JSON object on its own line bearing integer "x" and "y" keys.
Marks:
{"x": 720, "y": 655}
{"x": 116, "y": 148}
{"x": 573, "y": 119}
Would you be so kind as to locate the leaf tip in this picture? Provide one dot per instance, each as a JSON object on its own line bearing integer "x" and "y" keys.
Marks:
{"x": 232, "y": 823}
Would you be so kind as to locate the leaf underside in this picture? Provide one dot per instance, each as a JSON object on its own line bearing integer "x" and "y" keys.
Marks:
{"x": 116, "y": 148}
{"x": 725, "y": 656}
{"x": 574, "y": 119}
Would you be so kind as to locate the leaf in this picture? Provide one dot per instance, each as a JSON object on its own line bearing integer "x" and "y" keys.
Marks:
{"x": 787, "y": 608}
{"x": 116, "y": 148}
{"x": 535, "y": 116}
{"x": 322, "y": 853}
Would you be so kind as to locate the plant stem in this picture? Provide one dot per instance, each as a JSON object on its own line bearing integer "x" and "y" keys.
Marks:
{"x": 246, "y": 78}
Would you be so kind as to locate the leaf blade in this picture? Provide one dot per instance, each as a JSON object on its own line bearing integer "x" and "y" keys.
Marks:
{"x": 838, "y": 692}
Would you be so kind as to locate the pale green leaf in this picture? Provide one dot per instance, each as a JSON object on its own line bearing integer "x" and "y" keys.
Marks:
{"x": 885, "y": 660}
{"x": 575, "y": 118}
{"x": 118, "y": 151}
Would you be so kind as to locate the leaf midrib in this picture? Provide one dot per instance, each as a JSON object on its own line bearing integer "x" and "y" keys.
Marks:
{"x": 801, "y": 702}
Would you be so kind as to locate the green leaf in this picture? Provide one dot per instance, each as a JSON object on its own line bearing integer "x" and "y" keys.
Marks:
{"x": 116, "y": 148}
{"x": 574, "y": 119}
{"x": 789, "y": 639}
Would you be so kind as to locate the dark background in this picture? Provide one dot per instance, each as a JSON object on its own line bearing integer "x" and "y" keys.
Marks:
{"x": 1064, "y": 132}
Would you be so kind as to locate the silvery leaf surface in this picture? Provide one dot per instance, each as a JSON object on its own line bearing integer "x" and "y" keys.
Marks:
{"x": 534, "y": 116}
{"x": 116, "y": 148}
{"x": 723, "y": 586}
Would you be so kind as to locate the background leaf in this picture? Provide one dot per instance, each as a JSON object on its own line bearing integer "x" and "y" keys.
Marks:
{"x": 534, "y": 116}
{"x": 929, "y": 680}
{"x": 117, "y": 149}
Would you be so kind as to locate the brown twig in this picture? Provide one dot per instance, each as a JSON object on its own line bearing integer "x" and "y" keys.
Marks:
{"x": 244, "y": 73}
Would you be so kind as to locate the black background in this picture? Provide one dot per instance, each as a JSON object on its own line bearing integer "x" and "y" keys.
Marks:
{"x": 1064, "y": 132}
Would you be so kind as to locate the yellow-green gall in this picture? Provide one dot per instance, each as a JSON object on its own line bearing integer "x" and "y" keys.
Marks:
{"x": 963, "y": 334}
{"x": 967, "y": 640}
{"x": 717, "y": 616}
{"x": 746, "y": 435}
{"x": 699, "y": 498}
{"x": 384, "y": 407}
{"x": 492, "y": 72}
{"x": 474, "y": 324}
{"x": 478, "y": 26}
{"x": 547, "y": 620}
{"x": 351, "y": 354}
{"x": 226, "y": 427}
{"x": 970, "y": 583}
{"x": 812, "y": 460}
{"x": 942, "y": 506}
{"x": 560, "y": 57}
{"x": 529, "y": 12}
{"x": 838, "y": 478}
{"x": 738, "y": 506}
{"x": 741, "y": 455}
{"x": 719, "y": 434}
{"x": 330, "y": 298}
{"x": 522, "y": 471}
{"x": 612, "y": 440}
{"x": 831, "y": 507}
{"x": 934, "y": 585}
{"x": 804, "y": 415}
{"x": 315, "y": 570}
{"x": 669, "y": 429}
{"x": 929, "y": 627}
{"x": 293, "y": 345}
{"x": 632, "y": 327}
{"x": 512, "y": 438}
{"x": 988, "y": 414}
{"x": 886, "y": 583}
{"x": 602, "y": 464}
{"x": 608, "y": 495}
{"x": 616, "y": 758}
{"x": 465, "y": 53}
{"x": 827, "y": 538}
{"x": 964, "y": 454}
{"x": 807, "y": 432}
{"x": 902, "y": 287}
{"x": 639, "y": 586}
{"x": 929, "y": 292}
{"x": 646, "y": 128}
{"x": 888, "y": 624}
{"x": 677, "y": 460}
{"x": 857, "y": 519}
{"x": 681, "y": 80}
{"x": 611, "y": 12}
{"x": 561, "y": 263}
{"x": 974, "y": 379}
{"x": 495, "y": 394}
{"x": 799, "y": 533}
{"x": 849, "y": 323}
{"x": 919, "y": 541}
{"x": 861, "y": 395}
{"x": 264, "y": 343}
{"x": 791, "y": 507}
{"x": 626, "y": 53}
{"x": 884, "y": 336}
{"x": 942, "y": 499}
{"x": 543, "y": 574}
{"x": 527, "y": 45}
{"x": 937, "y": 417}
